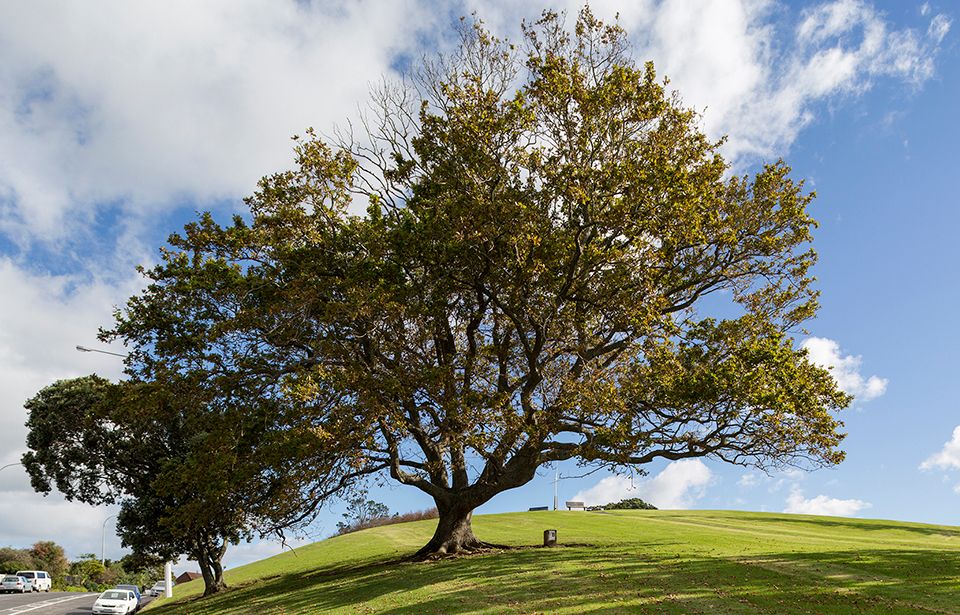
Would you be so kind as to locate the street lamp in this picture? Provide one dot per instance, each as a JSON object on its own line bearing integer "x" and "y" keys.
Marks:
{"x": 103, "y": 528}
{"x": 10, "y": 465}
{"x": 85, "y": 349}
{"x": 103, "y": 541}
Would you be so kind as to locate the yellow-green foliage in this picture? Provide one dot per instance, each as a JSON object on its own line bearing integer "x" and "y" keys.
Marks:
{"x": 612, "y": 562}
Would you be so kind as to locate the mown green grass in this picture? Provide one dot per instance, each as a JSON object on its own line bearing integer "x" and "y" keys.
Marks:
{"x": 611, "y": 562}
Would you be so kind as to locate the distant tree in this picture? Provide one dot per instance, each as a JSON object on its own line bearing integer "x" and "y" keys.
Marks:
{"x": 48, "y": 555}
{"x": 556, "y": 263}
{"x": 88, "y": 568}
{"x": 12, "y": 560}
{"x": 360, "y": 513}
{"x": 141, "y": 569}
{"x": 630, "y": 504}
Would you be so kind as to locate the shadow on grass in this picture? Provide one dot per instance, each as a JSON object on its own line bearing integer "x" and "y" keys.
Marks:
{"x": 862, "y": 524}
{"x": 632, "y": 578}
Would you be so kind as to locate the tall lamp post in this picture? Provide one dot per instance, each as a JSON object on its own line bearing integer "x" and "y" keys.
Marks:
{"x": 103, "y": 529}
{"x": 103, "y": 541}
{"x": 556, "y": 482}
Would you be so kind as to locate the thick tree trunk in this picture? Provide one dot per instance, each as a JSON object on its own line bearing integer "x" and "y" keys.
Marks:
{"x": 218, "y": 583}
{"x": 211, "y": 567}
{"x": 454, "y": 533}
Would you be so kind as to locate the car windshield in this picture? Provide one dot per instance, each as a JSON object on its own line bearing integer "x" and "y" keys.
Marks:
{"x": 113, "y": 595}
{"x": 10, "y": 579}
{"x": 26, "y": 575}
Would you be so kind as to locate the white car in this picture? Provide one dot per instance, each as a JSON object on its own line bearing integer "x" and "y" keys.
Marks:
{"x": 159, "y": 588}
{"x": 114, "y": 602}
{"x": 11, "y": 583}
{"x": 41, "y": 581}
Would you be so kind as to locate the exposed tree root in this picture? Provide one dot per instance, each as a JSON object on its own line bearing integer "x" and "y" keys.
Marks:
{"x": 474, "y": 547}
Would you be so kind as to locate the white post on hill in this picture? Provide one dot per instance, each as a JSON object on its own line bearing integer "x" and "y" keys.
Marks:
{"x": 168, "y": 580}
{"x": 556, "y": 480}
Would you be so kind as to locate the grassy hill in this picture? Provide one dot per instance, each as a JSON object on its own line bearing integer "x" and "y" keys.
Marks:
{"x": 612, "y": 562}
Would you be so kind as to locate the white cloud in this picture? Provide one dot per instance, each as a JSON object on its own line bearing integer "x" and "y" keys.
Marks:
{"x": 154, "y": 103}
{"x": 760, "y": 84}
{"x": 823, "y": 505}
{"x": 939, "y": 26}
{"x": 844, "y": 368}
{"x": 42, "y": 319}
{"x": 679, "y": 485}
{"x": 949, "y": 456}
{"x": 748, "y": 480}
{"x": 29, "y": 518}
{"x": 149, "y": 105}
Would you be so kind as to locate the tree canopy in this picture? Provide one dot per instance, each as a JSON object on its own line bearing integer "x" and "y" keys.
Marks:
{"x": 555, "y": 263}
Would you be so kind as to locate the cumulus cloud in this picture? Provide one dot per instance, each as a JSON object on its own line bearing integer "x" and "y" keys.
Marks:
{"x": 679, "y": 485}
{"x": 823, "y": 505}
{"x": 844, "y": 368}
{"x": 758, "y": 79}
{"x": 150, "y": 105}
{"x": 748, "y": 480}
{"x": 949, "y": 456}
{"x": 29, "y": 518}
{"x": 42, "y": 319}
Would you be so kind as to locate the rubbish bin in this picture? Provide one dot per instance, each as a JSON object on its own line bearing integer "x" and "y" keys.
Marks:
{"x": 549, "y": 538}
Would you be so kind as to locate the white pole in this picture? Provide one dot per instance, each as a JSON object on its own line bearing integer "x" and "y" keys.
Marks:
{"x": 103, "y": 541}
{"x": 556, "y": 480}
{"x": 168, "y": 579}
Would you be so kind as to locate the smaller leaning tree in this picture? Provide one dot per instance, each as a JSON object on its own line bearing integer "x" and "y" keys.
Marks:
{"x": 554, "y": 265}
{"x": 191, "y": 475}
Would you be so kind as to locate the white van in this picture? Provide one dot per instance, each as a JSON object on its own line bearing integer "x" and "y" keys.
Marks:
{"x": 40, "y": 580}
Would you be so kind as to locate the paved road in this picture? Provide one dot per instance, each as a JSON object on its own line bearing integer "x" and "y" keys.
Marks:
{"x": 52, "y": 603}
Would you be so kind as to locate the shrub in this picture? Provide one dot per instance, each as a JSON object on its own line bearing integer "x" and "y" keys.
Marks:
{"x": 630, "y": 504}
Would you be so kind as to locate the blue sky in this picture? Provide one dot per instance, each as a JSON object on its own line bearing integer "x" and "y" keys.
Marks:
{"x": 118, "y": 122}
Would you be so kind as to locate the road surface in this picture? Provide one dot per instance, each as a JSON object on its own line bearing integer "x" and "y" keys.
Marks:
{"x": 50, "y": 603}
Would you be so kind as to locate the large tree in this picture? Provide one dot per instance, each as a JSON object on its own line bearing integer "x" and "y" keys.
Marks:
{"x": 555, "y": 263}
